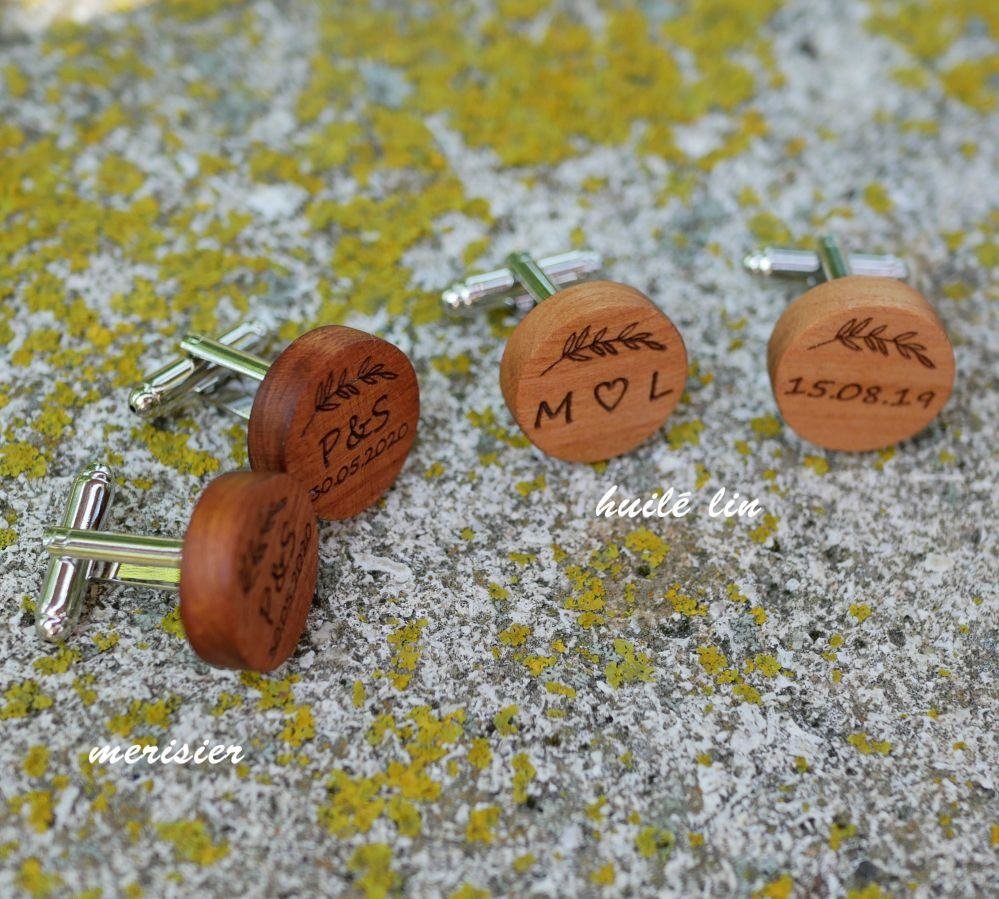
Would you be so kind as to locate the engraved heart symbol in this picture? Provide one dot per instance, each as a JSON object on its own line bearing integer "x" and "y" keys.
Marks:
{"x": 610, "y": 393}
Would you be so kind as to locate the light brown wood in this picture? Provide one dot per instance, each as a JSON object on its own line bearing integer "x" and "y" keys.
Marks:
{"x": 593, "y": 371}
{"x": 338, "y": 410}
{"x": 248, "y": 570}
{"x": 860, "y": 363}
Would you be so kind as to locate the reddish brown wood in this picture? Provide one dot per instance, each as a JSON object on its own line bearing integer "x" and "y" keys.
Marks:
{"x": 860, "y": 363}
{"x": 338, "y": 410}
{"x": 593, "y": 371}
{"x": 248, "y": 570}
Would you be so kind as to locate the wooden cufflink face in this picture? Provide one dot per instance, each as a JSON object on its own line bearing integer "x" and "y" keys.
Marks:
{"x": 593, "y": 371}
{"x": 860, "y": 363}
{"x": 248, "y": 570}
{"x": 338, "y": 410}
{"x": 245, "y": 570}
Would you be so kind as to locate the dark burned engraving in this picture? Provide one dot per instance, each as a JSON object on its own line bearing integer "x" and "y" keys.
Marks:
{"x": 852, "y": 336}
{"x": 285, "y": 575}
{"x": 653, "y": 395}
{"x": 545, "y": 409}
{"x": 869, "y": 395}
{"x": 335, "y": 388}
{"x": 360, "y": 430}
{"x": 256, "y": 548}
{"x": 328, "y": 442}
{"x": 610, "y": 393}
{"x": 580, "y": 346}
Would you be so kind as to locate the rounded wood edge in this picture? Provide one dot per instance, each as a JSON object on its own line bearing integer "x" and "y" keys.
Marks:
{"x": 248, "y": 570}
{"x": 820, "y": 312}
{"x": 271, "y": 413}
{"x": 554, "y": 313}
{"x": 842, "y": 295}
{"x": 286, "y": 401}
{"x": 529, "y": 330}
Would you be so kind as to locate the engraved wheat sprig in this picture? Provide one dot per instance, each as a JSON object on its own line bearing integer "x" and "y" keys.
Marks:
{"x": 852, "y": 336}
{"x": 581, "y": 346}
{"x": 335, "y": 388}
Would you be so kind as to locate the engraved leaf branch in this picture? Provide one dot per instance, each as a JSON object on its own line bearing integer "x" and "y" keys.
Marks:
{"x": 336, "y": 388}
{"x": 852, "y": 336}
{"x": 581, "y": 346}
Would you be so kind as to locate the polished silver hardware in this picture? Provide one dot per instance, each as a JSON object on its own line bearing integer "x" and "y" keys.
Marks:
{"x": 505, "y": 286}
{"x": 200, "y": 374}
{"x": 67, "y": 580}
{"x": 82, "y": 553}
{"x": 789, "y": 263}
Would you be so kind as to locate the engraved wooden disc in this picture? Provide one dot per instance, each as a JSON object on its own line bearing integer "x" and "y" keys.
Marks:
{"x": 593, "y": 371}
{"x": 860, "y": 363}
{"x": 248, "y": 570}
{"x": 338, "y": 409}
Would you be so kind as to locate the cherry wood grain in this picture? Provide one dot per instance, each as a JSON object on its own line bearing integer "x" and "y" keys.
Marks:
{"x": 593, "y": 371}
{"x": 248, "y": 570}
{"x": 338, "y": 410}
{"x": 860, "y": 363}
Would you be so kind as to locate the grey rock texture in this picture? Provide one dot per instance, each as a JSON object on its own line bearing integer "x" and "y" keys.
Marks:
{"x": 498, "y": 692}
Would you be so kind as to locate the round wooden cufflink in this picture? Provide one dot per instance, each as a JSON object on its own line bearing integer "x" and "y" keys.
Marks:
{"x": 593, "y": 370}
{"x": 861, "y": 361}
{"x": 337, "y": 409}
{"x": 245, "y": 570}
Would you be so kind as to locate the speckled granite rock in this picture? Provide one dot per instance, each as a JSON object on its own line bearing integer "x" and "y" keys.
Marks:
{"x": 499, "y": 693}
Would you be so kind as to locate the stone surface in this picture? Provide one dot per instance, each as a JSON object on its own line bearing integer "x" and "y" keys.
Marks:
{"x": 498, "y": 691}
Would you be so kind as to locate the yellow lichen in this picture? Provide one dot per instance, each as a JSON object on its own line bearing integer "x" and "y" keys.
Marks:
{"x": 171, "y": 449}
{"x": 35, "y": 881}
{"x": 818, "y": 464}
{"x": 840, "y": 832}
{"x": 36, "y": 761}
{"x": 372, "y": 863}
{"x": 633, "y": 667}
{"x": 526, "y": 488}
{"x": 650, "y": 547}
{"x": 21, "y": 458}
{"x": 866, "y": 746}
{"x": 23, "y": 699}
{"x": 514, "y": 635}
{"x": 481, "y": 822}
{"x": 39, "y": 806}
{"x": 57, "y": 663}
{"x": 652, "y": 841}
{"x": 604, "y": 875}
{"x": 524, "y": 863}
{"x": 504, "y": 722}
{"x": 712, "y": 659}
{"x": 523, "y": 773}
{"x": 781, "y": 888}
{"x": 685, "y": 605}
{"x": 467, "y": 891}
{"x": 406, "y": 642}
{"x": 192, "y": 842}
{"x": 299, "y": 726}
{"x": 766, "y": 528}
{"x": 687, "y": 433}
{"x": 877, "y": 197}
{"x": 479, "y": 753}
{"x": 861, "y": 611}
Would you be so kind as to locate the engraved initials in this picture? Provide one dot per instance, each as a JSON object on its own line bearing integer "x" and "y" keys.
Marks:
{"x": 328, "y": 443}
{"x": 652, "y": 390}
{"x": 359, "y": 429}
{"x": 545, "y": 409}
